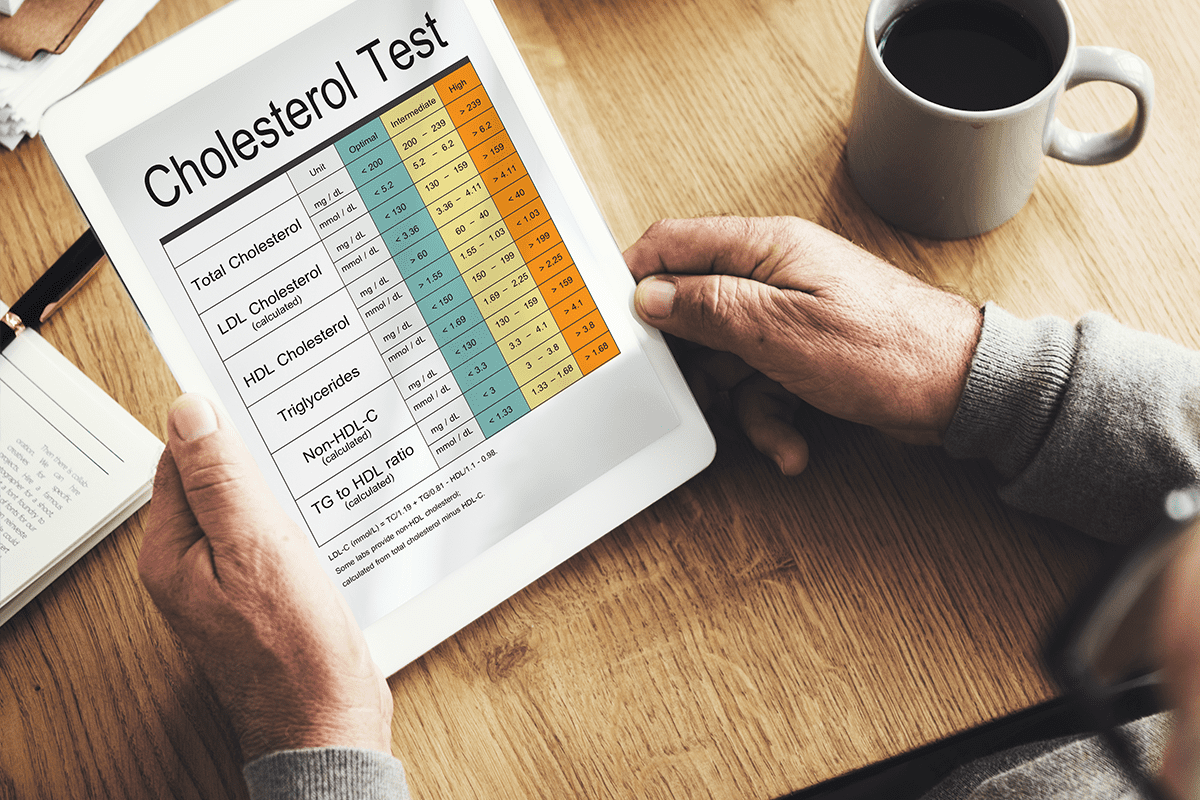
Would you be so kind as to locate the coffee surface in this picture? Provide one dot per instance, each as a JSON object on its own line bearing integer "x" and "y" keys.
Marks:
{"x": 974, "y": 55}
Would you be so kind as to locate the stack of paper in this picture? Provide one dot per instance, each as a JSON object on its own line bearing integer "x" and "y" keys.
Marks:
{"x": 28, "y": 88}
{"x": 10, "y": 7}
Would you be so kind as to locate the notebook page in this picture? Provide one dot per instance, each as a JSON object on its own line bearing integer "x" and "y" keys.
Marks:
{"x": 73, "y": 464}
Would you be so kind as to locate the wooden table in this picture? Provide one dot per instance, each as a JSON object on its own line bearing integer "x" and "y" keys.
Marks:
{"x": 749, "y": 634}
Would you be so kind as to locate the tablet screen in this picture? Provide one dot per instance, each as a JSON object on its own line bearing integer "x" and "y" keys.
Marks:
{"x": 366, "y": 251}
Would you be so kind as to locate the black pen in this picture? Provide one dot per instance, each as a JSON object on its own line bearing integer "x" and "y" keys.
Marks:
{"x": 50, "y": 291}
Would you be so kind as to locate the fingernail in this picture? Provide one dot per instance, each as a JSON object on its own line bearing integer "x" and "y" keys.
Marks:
{"x": 193, "y": 417}
{"x": 655, "y": 297}
{"x": 792, "y": 459}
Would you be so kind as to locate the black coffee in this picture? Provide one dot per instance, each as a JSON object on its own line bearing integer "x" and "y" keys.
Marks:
{"x": 974, "y": 55}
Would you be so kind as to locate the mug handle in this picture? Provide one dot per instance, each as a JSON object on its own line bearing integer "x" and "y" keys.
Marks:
{"x": 1117, "y": 66}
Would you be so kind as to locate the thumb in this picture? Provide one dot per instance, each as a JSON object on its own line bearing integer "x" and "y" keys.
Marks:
{"x": 223, "y": 486}
{"x": 721, "y": 312}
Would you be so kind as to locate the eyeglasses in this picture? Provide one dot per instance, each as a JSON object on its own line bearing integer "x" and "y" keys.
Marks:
{"x": 1106, "y": 642}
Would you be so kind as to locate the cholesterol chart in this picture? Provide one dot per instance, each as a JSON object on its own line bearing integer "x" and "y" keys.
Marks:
{"x": 399, "y": 291}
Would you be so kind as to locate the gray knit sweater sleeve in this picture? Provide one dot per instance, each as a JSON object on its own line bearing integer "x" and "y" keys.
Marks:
{"x": 326, "y": 773}
{"x": 1090, "y": 424}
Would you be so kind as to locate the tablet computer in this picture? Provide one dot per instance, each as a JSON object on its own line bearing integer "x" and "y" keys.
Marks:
{"x": 356, "y": 225}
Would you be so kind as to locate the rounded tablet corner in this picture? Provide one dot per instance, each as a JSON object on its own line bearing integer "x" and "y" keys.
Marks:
{"x": 710, "y": 447}
{"x": 49, "y": 126}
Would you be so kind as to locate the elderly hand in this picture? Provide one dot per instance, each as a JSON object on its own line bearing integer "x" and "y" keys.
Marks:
{"x": 792, "y": 309}
{"x": 241, "y": 586}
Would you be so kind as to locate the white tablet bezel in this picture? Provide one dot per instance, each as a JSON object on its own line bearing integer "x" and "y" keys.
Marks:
{"x": 124, "y": 98}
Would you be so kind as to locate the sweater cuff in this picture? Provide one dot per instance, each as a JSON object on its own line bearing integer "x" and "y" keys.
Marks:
{"x": 1014, "y": 389}
{"x": 326, "y": 773}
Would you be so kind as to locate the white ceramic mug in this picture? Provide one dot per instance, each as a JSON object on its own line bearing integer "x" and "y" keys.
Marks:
{"x": 948, "y": 173}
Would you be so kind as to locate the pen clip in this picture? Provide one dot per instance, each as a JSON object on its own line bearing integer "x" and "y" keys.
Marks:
{"x": 51, "y": 308}
{"x": 69, "y": 272}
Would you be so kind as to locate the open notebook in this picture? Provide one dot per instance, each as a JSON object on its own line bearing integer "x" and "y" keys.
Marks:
{"x": 73, "y": 466}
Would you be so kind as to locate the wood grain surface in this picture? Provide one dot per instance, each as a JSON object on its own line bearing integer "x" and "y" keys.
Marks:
{"x": 749, "y": 634}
